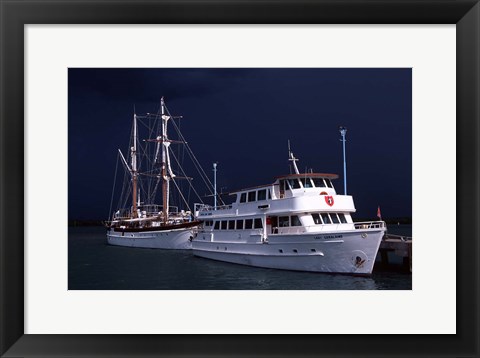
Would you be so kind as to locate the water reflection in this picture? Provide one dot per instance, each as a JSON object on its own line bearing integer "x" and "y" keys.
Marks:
{"x": 94, "y": 265}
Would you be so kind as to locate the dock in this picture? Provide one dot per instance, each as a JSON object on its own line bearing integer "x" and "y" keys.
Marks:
{"x": 396, "y": 248}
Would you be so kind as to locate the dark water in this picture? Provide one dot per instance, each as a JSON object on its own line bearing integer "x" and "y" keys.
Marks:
{"x": 94, "y": 265}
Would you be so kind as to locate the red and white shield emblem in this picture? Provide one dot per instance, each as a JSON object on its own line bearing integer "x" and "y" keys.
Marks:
{"x": 329, "y": 200}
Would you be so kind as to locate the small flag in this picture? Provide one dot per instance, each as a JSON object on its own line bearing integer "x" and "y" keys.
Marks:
{"x": 379, "y": 214}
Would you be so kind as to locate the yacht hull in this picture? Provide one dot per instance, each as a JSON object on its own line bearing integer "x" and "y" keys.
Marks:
{"x": 175, "y": 239}
{"x": 347, "y": 253}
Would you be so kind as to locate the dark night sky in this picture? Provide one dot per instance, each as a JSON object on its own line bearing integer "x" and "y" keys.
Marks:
{"x": 242, "y": 119}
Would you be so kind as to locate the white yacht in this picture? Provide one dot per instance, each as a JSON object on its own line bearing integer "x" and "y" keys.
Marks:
{"x": 297, "y": 223}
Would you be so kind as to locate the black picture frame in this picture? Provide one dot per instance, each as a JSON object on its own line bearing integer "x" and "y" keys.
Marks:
{"x": 15, "y": 14}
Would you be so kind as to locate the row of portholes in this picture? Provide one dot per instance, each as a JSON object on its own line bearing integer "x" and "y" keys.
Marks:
{"x": 140, "y": 235}
{"x": 295, "y": 251}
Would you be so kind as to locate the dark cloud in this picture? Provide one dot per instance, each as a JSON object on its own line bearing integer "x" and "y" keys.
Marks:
{"x": 242, "y": 118}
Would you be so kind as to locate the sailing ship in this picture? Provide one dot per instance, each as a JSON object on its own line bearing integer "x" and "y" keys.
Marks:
{"x": 298, "y": 222}
{"x": 145, "y": 223}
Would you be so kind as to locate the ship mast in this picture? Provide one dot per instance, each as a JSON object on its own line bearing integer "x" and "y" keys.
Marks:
{"x": 165, "y": 177}
{"x": 133, "y": 155}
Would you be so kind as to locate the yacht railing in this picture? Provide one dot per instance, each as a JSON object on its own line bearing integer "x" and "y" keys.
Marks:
{"x": 327, "y": 227}
{"x": 370, "y": 225}
{"x": 203, "y": 208}
{"x": 144, "y": 210}
{"x": 289, "y": 229}
{"x": 311, "y": 228}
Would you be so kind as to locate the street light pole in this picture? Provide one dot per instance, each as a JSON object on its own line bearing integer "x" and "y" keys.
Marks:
{"x": 215, "y": 185}
{"x": 343, "y": 132}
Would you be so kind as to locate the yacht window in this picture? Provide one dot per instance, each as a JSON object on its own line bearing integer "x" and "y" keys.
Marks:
{"x": 239, "y": 224}
{"x": 231, "y": 225}
{"x": 224, "y": 225}
{"x": 269, "y": 194}
{"x": 248, "y": 223}
{"x": 326, "y": 219}
{"x": 316, "y": 219}
{"x": 306, "y": 182}
{"x": 243, "y": 198}
{"x": 283, "y": 221}
{"x": 342, "y": 218}
{"x": 295, "y": 221}
{"x": 329, "y": 183}
{"x": 294, "y": 183}
{"x": 262, "y": 194}
{"x": 252, "y": 196}
{"x": 217, "y": 225}
{"x": 208, "y": 223}
{"x": 334, "y": 218}
{"x": 258, "y": 224}
{"x": 319, "y": 183}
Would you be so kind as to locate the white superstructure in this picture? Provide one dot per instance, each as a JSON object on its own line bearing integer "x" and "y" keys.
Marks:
{"x": 297, "y": 223}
